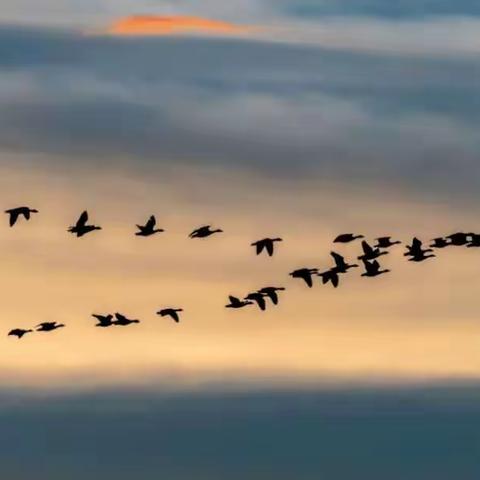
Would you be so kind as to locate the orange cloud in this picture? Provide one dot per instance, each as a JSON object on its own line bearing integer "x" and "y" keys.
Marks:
{"x": 141, "y": 25}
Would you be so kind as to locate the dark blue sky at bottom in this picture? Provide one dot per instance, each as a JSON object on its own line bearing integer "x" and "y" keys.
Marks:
{"x": 420, "y": 433}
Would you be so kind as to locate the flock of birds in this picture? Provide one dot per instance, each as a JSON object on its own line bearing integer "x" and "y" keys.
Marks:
{"x": 369, "y": 258}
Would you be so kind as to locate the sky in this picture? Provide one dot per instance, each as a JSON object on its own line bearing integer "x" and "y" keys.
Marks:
{"x": 298, "y": 119}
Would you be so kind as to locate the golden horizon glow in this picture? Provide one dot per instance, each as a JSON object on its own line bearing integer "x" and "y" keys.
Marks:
{"x": 153, "y": 25}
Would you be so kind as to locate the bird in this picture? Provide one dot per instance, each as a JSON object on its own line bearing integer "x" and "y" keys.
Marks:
{"x": 204, "y": 232}
{"x": 149, "y": 228}
{"x": 421, "y": 256}
{"x": 340, "y": 265}
{"x": 123, "y": 321}
{"x": 416, "y": 251}
{"x": 103, "y": 320}
{"x": 48, "y": 326}
{"x": 237, "y": 303}
{"x": 81, "y": 228}
{"x": 439, "y": 242}
{"x": 330, "y": 276}
{"x": 347, "y": 238}
{"x": 385, "y": 242}
{"x": 372, "y": 268}
{"x": 19, "y": 332}
{"x": 458, "y": 239}
{"x": 258, "y": 298}
{"x": 305, "y": 274}
{"x": 370, "y": 253}
{"x": 265, "y": 244}
{"x": 14, "y": 213}
{"x": 271, "y": 292}
{"x": 171, "y": 312}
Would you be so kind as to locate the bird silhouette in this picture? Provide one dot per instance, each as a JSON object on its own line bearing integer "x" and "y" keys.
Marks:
{"x": 386, "y": 242}
{"x": 123, "y": 321}
{"x": 271, "y": 292}
{"x": 258, "y": 298}
{"x": 103, "y": 320}
{"x": 170, "y": 312}
{"x": 15, "y": 213}
{"x": 19, "y": 332}
{"x": 341, "y": 266}
{"x": 149, "y": 228}
{"x": 417, "y": 252}
{"x": 237, "y": 303}
{"x": 265, "y": 244}
{"x": 81, "y": 228}
{"x": 421, "y": 256}
{"x": 439, "y": 242}
{"x": 347, "y": 238}
{"x": 204, "y": 232}
{"x": 48, "y": 326}
{"x": 330, "y": 276}
{"x": 305, "y": 274}
{"x": 458, "y": 239}
{"x": 372, "y": 269}
{"x": 370, "y": 253}
{"x": 474, "y": 240}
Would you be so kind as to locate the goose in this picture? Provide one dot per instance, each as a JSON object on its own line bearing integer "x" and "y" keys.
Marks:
{"x": 48, "y": 326}
{"x": 204, "y": 232}
{"x": 81, "y": 228}
{"x": 237, "y": 303}
{"x": 123, "y": 321}
{"x": 170, "y": 312}
{"x": 421, "y": 256}
{"x": 271, "y": 292}
{"x": 15, "y": 213}
{"x": 439, "y": 242}
{"x": 458, "y": 239}
{"x": 370, "y": 253}
{"x": 386, "y": 242}
{"x": 19, "y": 332}
{"x": 265, "y": 244}
{"x": 149, "y": 228}
{"x": 305, "y": 274}
{"x": 372, "y": 269}
{"x": 416, "y": 249}
{"x": 340, "y": 265}
{"x": 347, "y": 238}
{"x": 103, "y": 320}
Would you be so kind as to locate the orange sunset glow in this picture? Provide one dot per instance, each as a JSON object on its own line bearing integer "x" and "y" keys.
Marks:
{"x": 171, "y": 25}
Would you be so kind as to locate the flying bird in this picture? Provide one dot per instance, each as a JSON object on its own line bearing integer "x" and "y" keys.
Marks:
{"x": 103, "y": 320}
{"x": 271, "y": 292}
{"x": 237, "y": 303}
{"x": 341, "y": 266}
{"x": 48, "y": 326}
{"x": 347, "y": 238}
{"x": 386, "y": 242}
{"x": 458, "y": 239}
{"x": 258, "y": 298}
{"x": 439, "y": 242}
{"x": 149, "y": 228}
{"x": 372, "y": 269}
{"x": 171, "y": 312}
{"x": 123, "y": 321}
{"x": 370, "y": 253}
{"x": 19, "y": 332}
{"x": 305, "y": 274}
{"x": 416, "y": 252}
{"x": 265, "y": 244}
{"x": 204, "y": 232}
{"x": 81, "y": 228}
{"x": 15, "y": 213}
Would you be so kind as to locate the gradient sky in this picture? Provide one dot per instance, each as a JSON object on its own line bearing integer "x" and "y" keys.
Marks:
{"x": 299, "y": 119}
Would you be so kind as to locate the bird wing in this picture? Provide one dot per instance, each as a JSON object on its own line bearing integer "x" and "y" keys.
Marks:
{"x": 367, "y": 249}
{"x": 260, "y": 301}
{"x": 233, "y": 300}
{"x": 272, "y": 294}
{"x": 13, "y": 216}
{"x": 339, "y": 260}
{"x": 307, "y": 277}
{"x": 151, "y": 222}
{"x": 174, "y": 315}
{"x": 416, "y": 243}
{"x": 269, "y": 248}
{"x": 83, "y": 219}
{"x": 120, "y": 317}
{"x": 259, "y": 247}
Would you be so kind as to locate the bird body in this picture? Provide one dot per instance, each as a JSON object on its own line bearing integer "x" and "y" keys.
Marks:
{"x": 385, "y": 242}
{"x": 237, "y": 303}
{"x": 372, "y": 269}
{"x": 15, "y": 213}
{"x": 458, "y": 239}
{"x": 81, "y": 228}
{"x": 171, "y": 312}
{"x": 149, "y": 228}
{"x": 347, "y": 238}
{"x": 103, "y": 320}
{"x": 123, "y": 321}
{"x": 203, "y": 232}
{"x": 305, "y": 274}
{"x": 48, "y": 326}
{"x": 19, "y": 332}
{"x": 266, "y": 244}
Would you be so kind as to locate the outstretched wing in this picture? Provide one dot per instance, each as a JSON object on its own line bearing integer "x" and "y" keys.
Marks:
{"x": 339, "y": 260}
{"x": 272, "y": 294}
{"x": 367, "y": 249}
{"x": 150, "y": 225}
{"x": 307, "y": 277}
{"x": 83, "y": 219}
{"x": 174, "y": 315}
{"x": 13, "y": 216}
{"x": 260, "y": 301}
{"x": 269, "y": 248}
{"x": 259, "y": 247}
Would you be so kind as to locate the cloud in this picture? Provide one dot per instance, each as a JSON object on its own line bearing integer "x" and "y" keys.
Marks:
{"x": 147, "y": 25}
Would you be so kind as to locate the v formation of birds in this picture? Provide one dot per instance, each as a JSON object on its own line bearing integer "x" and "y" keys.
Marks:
{"x": 415, "y": 251}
